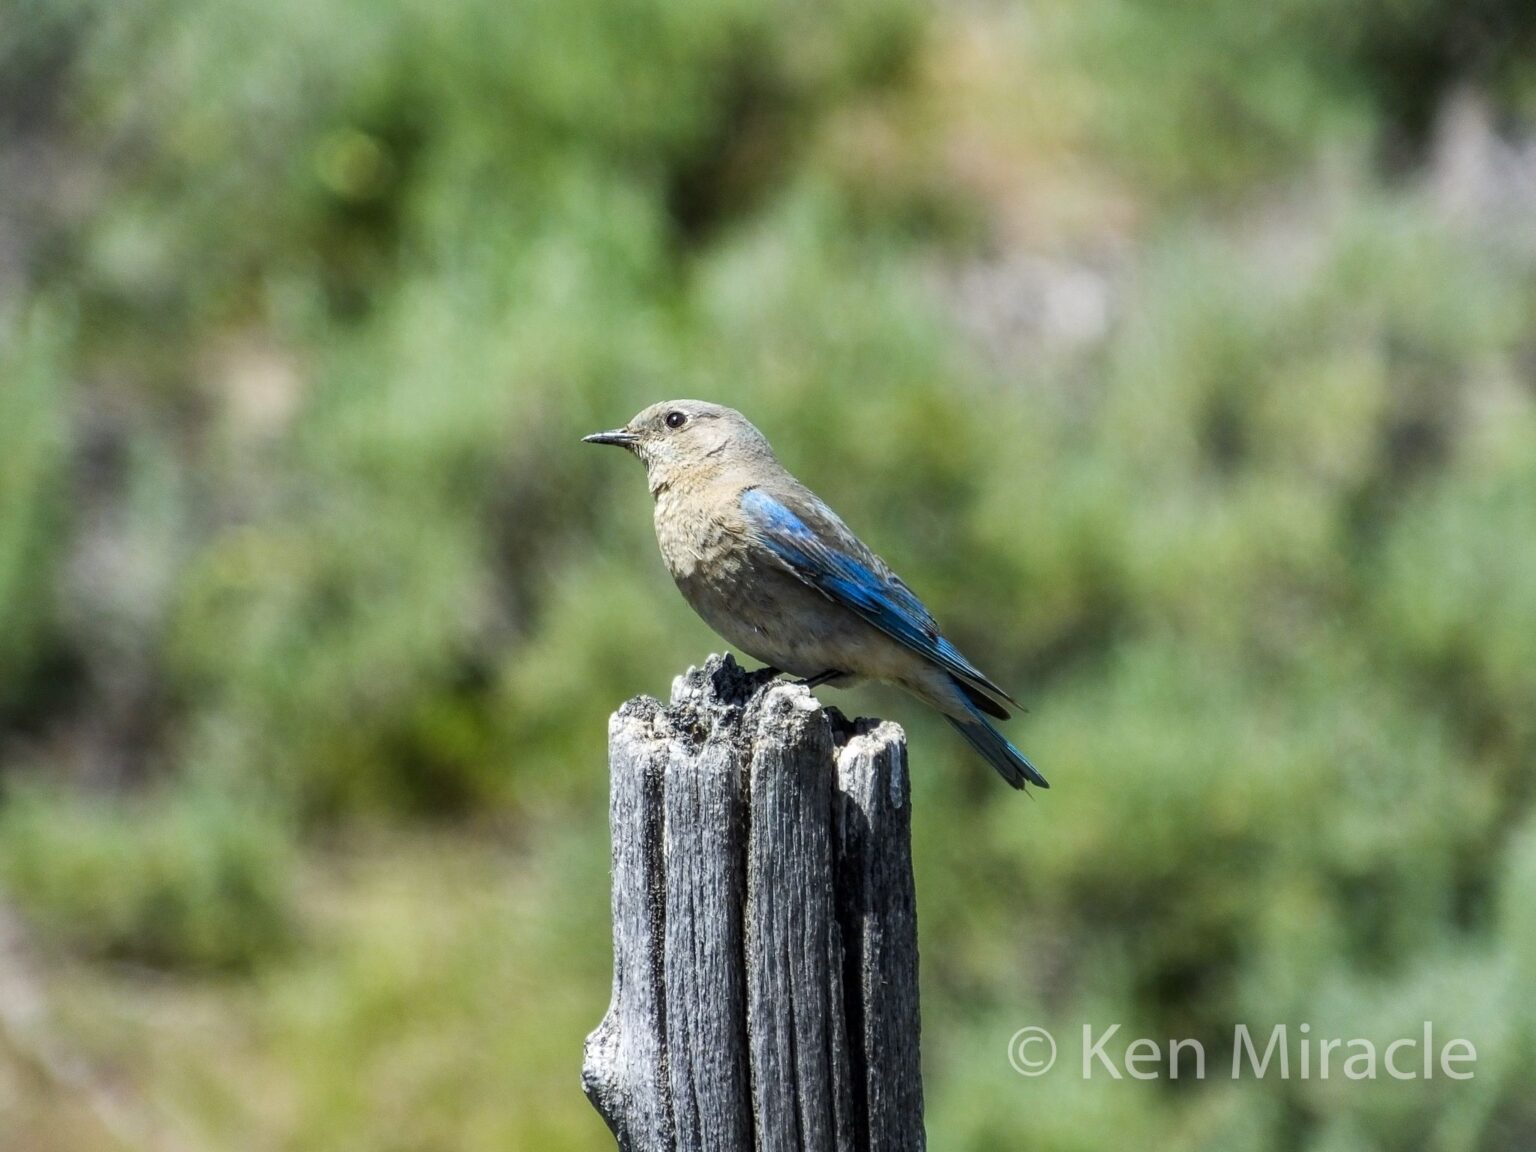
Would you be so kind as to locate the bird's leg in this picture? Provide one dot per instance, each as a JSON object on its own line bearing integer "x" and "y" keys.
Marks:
{"x": 821, "y": 678}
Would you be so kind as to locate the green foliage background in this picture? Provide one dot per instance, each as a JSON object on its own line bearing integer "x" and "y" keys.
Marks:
{"x": 1179, "y": 354}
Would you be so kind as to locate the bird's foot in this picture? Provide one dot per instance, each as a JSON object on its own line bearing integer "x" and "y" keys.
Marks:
{"x": 821, "y": 678}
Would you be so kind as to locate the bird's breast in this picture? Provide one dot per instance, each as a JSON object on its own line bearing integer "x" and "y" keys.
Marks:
{"x": 694, "y": 542}
{"x": 746, "y": 595}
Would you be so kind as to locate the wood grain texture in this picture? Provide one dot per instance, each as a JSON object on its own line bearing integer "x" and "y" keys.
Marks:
{"x": 764, "y": 926}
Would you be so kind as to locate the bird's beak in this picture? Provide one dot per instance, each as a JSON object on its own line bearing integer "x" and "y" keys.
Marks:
{"x": 619, "y": 436}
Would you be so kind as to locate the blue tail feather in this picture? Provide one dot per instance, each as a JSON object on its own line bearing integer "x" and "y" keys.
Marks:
{"x": 1010, "y": 763}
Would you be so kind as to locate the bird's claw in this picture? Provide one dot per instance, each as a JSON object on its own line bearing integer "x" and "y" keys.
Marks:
{"x": 821, "y": 678}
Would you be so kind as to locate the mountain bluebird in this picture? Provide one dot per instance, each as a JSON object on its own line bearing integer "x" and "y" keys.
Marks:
{"x": 774, "y": 571}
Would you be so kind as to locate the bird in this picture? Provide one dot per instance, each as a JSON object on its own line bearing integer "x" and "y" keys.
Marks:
{"x": 772, "y": 569}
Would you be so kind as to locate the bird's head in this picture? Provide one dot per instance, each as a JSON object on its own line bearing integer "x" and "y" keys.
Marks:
{"x": 678, "y": 438}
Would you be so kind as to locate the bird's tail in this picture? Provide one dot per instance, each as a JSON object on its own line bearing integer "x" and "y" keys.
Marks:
{"x": 1010, "y": 763}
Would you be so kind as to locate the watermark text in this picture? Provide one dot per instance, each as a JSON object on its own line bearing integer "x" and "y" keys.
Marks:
{"x": 1284, "y": 1052}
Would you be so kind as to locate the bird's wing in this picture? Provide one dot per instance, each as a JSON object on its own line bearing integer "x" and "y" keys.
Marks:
{"x": 839, "y": 567}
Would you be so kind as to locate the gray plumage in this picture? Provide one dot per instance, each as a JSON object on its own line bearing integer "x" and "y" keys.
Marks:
{"x": 775, "y": 572}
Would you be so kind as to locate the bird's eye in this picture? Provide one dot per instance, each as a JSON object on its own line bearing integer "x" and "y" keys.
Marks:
{"x": 676, "y": 419}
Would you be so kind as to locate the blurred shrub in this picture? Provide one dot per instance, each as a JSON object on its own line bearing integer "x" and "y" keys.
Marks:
{"x": 1457, "y": 599}
{"x": 419, "y": 1020}
{"x": 353, "y": 141}
{"x": 34, "y": 447}
{"x": 1204, "y": 96}
{"x": 187, "y": 879}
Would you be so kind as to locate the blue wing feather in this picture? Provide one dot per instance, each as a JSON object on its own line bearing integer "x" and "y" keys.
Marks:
{"x": 862, "y": 584}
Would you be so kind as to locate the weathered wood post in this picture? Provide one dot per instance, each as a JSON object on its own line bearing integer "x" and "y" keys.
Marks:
{"x": 764, "y": 926}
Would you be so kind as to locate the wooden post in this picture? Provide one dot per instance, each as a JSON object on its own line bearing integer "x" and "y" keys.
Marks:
{"x": 764, "y": 926}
